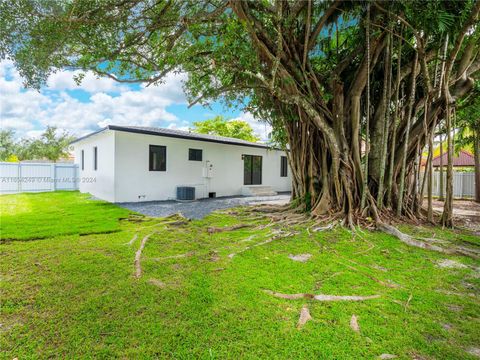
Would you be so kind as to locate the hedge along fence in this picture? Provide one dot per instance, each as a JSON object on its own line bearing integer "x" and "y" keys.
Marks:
{"x": 37, "y": 177}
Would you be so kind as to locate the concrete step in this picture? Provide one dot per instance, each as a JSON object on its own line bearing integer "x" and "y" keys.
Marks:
{"x": 258, "y": 190}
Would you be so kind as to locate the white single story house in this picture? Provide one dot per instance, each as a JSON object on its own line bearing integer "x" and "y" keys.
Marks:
{"x": 133, "y": 163}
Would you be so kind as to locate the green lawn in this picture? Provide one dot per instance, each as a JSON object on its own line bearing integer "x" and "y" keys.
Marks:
{"x": 75, "y": 296}
{"x": 38, "y": 215}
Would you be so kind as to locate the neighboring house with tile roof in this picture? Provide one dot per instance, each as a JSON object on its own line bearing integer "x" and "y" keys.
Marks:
{"x": 461, "y": 159}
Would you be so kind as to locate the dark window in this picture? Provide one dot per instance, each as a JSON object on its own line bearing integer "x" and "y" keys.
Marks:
{"x": 158, "y": 158}
{"x": 252, "y": 170}
{"x": 95, "y": 153}
{"x": 283, "y": 166}
{"x": 83, "y": 160}
{"x": 195, "y": 154}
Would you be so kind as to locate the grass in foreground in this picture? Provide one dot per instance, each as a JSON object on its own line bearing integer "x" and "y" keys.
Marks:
{"x": 42, "y": 215}
{"x": 75, "y": 296}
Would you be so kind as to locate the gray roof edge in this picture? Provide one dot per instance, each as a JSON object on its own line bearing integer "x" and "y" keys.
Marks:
{"x": 190, "y": 136}
{"x": 91, "y": 134}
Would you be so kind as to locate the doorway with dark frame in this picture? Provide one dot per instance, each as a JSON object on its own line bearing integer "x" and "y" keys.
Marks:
{"x": 252, "y": 170}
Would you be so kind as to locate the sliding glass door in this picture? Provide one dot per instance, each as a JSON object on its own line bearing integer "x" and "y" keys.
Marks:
{"x": 252, "y": 170}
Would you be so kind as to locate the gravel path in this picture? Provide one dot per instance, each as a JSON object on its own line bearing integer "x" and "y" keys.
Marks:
{"x": 200, "y": 208}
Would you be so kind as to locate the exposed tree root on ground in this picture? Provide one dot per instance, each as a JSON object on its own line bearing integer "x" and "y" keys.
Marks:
{"x": 426, "y": 243}
{"x": 179, "y": 256}
{"x": 213, "y": 230}
{"x": 324, "y": 228}
{"x": 177, "y": 223}
{"x": 138, "y": 255}
{"x": 371, "y": 277}
{"x": 354, "y": 323}
{"x": 288, "y": 217}
{"x": 321, "y": 297}
{"x": 279, "y": 235}
{"x": 271, "y": 208}
{"x": 132, "y": 240}
{"x": 135, "y": 218}
{"x": 217, "y": 269}
{"x": 248, "y": 239}
{"x": 446, "y": 292}
{"x": 176, "y": 216}
{"x": 174, "y": 220}
{"x": 157, "y": 283}
{"x": 304, "y": 316}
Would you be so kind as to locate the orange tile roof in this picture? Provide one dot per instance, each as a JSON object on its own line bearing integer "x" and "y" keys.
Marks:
{"x": 464, "y": 158}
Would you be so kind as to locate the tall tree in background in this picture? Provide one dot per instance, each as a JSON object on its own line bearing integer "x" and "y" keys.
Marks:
{"x": 52, "y": 146}
{"x": 7, "y": 144}
{"x": 302, "y": 65}
{"x": 220, "y": 126}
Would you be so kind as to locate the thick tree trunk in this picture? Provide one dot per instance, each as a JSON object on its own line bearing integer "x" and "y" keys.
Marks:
{"x": 429, "y": 168}
{"x": 385, "y": 123}
{"x": 430, "y": 182}
{"x": 441, "y": 184}
{"x": 447, "y": 217}
{"x": 393, "y": 138}
{"x": 406, "y": 139}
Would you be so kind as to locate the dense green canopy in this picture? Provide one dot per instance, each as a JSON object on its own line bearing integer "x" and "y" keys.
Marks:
{"x": 220, "y": 126}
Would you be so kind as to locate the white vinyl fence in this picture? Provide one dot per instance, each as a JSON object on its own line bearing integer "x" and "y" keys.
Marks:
{"x": 37, "y": 177}
{"x": 463, "y": 184}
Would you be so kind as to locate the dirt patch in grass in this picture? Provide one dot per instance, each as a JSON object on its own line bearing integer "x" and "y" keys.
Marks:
{"x": 451, "y": 264}
{"x": 466, "y": 213}
{"x": 300, "y": 257}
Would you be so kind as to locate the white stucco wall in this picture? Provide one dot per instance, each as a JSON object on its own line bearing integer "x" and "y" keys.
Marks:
{"x": 100, "y": 182}
{"x": 123, "y": 174}
{"x": 134, "y": 181}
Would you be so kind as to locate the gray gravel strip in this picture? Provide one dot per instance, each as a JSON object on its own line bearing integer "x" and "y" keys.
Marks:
{"x": 200, "y": 208}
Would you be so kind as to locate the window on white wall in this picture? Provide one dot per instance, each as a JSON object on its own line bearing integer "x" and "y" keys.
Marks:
{"x": 95, "y": 157}
{"x": 195, "y": 154}
{"x": 283, "y": 167}
{"x": 157, "y": 158}
{"x": 83, "y": 160}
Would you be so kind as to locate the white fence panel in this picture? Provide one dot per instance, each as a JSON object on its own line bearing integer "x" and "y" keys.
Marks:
{"x": 67, "y": 177}
{"x": 463, "y": 184}
{"x": 8, "y": 172}
{"x": 37, "y": 177}
{"x": 468, "y": 184}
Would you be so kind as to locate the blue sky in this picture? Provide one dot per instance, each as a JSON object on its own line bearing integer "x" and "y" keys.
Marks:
{"x": 100, "y": 102}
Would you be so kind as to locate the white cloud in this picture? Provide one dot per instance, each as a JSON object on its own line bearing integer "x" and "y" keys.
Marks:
{"x": 261, "y": 128}
{"x": 105, "y": 102}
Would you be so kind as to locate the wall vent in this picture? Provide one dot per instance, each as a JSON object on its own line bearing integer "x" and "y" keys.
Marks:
{"x": 185, "y": 193}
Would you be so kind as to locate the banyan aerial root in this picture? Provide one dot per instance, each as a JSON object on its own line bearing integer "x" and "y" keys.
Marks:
{"x": 426, "y": 244}
{"x": 321, "y": 297}
{"x": 138, "y": 256}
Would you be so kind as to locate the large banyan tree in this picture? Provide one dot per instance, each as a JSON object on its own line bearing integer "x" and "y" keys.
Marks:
{"x": 355, "y": 89}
